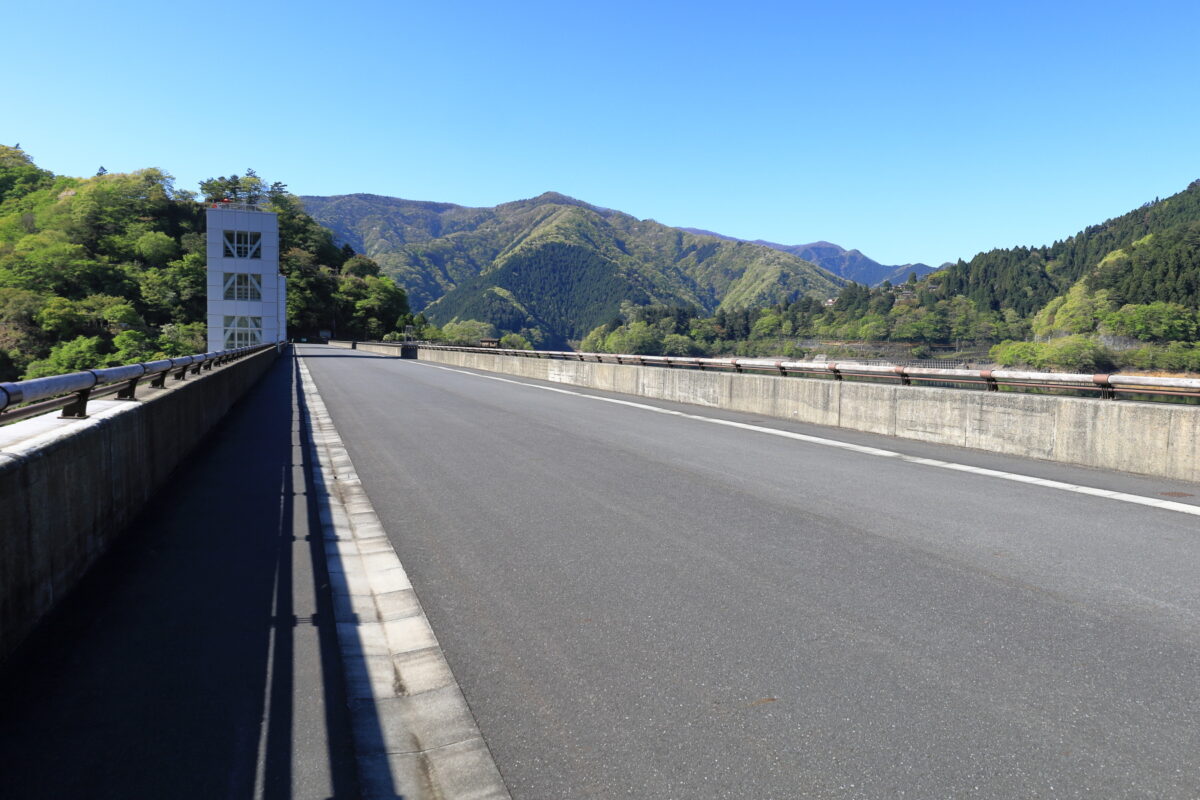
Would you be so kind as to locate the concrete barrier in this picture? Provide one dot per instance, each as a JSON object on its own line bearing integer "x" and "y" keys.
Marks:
{"x": 1148, "y": 438}
{"x": 69, "y": 487}
{"x": 393, "y": 349}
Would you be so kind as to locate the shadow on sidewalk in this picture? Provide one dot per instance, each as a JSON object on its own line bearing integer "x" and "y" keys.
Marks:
{"x": 199, "y": 657}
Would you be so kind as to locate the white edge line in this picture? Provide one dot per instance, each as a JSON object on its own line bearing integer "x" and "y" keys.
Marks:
{"x": 1137, "y": 499}
{"x": 412, "y": 725}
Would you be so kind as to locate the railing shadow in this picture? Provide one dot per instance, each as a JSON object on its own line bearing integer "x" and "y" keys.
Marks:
{"x": 175, "y": 667}
{"x": 368, "y": 729}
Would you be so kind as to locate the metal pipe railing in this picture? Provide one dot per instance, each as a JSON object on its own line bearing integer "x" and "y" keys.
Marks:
{"x": 71, "y": 392}
{"x": 1108, "y": 386}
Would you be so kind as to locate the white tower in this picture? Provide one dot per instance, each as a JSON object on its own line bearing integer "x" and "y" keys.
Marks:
{"x": 247, "y": 297}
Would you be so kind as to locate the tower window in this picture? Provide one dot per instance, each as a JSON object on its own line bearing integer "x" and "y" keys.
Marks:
{"x": 243, "y": 286}
{"x": 243, "y": 244}
{"x": 242, "y": 332}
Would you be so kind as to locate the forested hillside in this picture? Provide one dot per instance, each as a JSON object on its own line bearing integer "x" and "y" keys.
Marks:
{"x": 1027, "y": 278}
{"x": 1122, "y": 293}
{"x": 554, "y": 265}
{"x": 852, "y": 265}
{"x": 111, "y": 269}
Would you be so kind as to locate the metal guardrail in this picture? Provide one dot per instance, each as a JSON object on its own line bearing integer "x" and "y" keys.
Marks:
{"x": 1108, "y": 386}
{"x": 237, "y": 205}
{"x": 71, "y": 392}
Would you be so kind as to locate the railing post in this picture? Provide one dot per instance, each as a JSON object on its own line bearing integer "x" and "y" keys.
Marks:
{"x": 78, "y": 408}
{"x": 130, "y": 390}
{"x": 989, "y": 381}
{"x": 1107, "y": 391}
{"x": 904, "y": 379}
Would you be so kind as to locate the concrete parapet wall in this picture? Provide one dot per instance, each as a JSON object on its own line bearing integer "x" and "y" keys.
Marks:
{"x": 69, "y": 487}
{"x": 1147, "y": 438}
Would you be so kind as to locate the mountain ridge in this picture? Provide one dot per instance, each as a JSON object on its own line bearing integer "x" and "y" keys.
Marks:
{"x": 852, "y": 265}
{"x": 450, "y": 258}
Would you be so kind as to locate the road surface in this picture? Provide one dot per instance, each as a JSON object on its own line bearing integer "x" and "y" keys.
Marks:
{"x": 654, "y": 606}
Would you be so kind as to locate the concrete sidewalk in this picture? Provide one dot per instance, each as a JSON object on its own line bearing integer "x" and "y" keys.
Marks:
{"x": 199, "y": 658}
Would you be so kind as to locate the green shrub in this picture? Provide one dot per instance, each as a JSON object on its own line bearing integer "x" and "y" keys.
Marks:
{"x": 1077, "y": 353}
{"x": 515, "y": 341}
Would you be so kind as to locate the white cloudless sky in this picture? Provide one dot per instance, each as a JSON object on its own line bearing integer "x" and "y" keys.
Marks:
{"x": 923, "y": 131}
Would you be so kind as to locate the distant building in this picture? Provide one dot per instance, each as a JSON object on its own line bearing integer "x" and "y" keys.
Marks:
{"x": 247, "y": 297}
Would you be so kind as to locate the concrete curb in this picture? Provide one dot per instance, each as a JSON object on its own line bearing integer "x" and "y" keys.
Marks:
{"x": 414, "y": 733}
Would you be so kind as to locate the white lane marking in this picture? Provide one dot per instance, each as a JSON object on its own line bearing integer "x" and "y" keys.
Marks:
{"x": 1154, "y": 502}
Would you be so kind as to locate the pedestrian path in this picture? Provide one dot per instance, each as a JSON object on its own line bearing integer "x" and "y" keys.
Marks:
{"x": 199, "y": 658}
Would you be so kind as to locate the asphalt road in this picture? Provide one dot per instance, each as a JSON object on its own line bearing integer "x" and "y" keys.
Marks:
{"x": 640, "y": 605}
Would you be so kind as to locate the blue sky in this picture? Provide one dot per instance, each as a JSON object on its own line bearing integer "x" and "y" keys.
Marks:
{"x": 919, "y": 131}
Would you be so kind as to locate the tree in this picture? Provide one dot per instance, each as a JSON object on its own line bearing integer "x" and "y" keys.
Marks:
{"x": 21, "y": 338}
{"x": 1078, "y": 311}
{"x": 215, "y": 190}
{"x": 175, "y": 293}
{"x": 108, "y": 213}
{"x": 1076, "y": 353}
{"x": 1153, "y": 322}
{"x": 47, "y": 262}
{"x": 468, "y": 331}
{"x": 515, "y": 341}
{"x": 252, "y": 188}
{"x": 962, "y": 318}
{"x": 767, "y": 325}
{"x": 61, "y": 318}
{"x": 636, "y": 338}
{"x": 183, "y": 339}
{"x": 310, "y": 293}
{"x": 873, "y": 327}
{"x": 155, "y": 248}
{"x": 359, "y": 267}
{"x": 369, "y": 307}
{"x": 594, "y": 341}
{"x": 18, "y": 174}
{"x": 674, "y": 344}
{"x": 83, "y": 352}
{"x": 132, "y": 347}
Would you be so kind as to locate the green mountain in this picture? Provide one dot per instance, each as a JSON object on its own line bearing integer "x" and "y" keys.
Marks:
{"x": 1150, "y": 254}
{"x": 852, "y": 265}
{"x": 1123, "y": 293}
{"x": 556, "y": 266}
